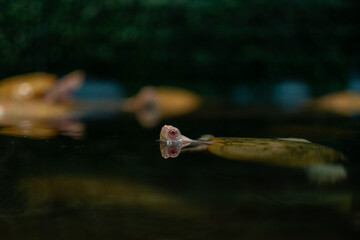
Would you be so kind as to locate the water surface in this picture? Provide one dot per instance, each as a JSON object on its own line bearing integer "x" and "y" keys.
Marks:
{"x": 114, "y": 184}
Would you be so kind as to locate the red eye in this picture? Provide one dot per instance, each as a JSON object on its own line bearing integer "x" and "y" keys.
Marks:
{"x": 173, "y": 132}
{"x": 173, "y": 152}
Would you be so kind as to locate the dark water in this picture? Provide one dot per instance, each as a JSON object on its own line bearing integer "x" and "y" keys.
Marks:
{"x": 114, "y": 184}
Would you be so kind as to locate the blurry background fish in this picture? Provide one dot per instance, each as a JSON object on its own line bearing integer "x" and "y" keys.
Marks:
{"x": 39, "y": 104}
{"x": 262, "y": 52}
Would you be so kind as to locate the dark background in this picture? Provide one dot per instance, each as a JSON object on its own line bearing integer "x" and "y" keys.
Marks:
{"x": 247, "y": 51}
{"x": 211, "y": 42}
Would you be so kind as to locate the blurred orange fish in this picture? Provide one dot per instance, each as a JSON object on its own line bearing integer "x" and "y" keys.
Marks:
{"x": 346, "y": 103}
{"x": 152, "y": 104}
{"x": 43, "y": 99}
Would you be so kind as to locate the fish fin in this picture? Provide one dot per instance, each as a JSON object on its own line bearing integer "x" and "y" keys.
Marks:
{"x": 206, "y": 137}
{"x": 325, "y": 173}
{"x": 62, "y": 90}
{"x": 194, "y": 149}
{"x": 146, "y": 97}
{"x": 294, "y": 140}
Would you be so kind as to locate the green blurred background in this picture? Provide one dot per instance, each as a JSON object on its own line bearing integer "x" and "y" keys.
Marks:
{"x": 211, "y": 42}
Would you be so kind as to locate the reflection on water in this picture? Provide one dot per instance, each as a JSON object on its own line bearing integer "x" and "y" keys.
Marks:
{"x": 37, "y": 105}
{"x": 113, "y": 185}
{"x": 326, "y": 173}
{"x": 82, "y": 191}
{"x": 44, "y": 101}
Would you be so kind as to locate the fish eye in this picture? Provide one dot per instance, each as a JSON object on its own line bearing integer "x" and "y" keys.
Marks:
{"x": 173, "y": 132}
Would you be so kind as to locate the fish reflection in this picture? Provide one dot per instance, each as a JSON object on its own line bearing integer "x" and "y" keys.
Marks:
{"x": 37, "y": 105}
{"x": 37, "y": 119}
{"x": 46, "y": 104}
{"x": 86, "y": 191}
{"x": 322, "y": 164}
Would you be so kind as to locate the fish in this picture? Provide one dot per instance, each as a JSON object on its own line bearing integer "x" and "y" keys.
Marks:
{"x": 323, "y": 164}
{"x": 43, "y": 100}
{"x": 344, "y": 103}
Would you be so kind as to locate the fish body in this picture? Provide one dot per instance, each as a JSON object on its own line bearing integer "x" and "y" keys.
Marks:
{"x": 33, "y": 118}
{"x": 151, "y": 104}
{"x": 26, "y": 86}
{"x": 11, "y": 111}
{"x": 273, "y": 151}
{"x": 344, "y": 103}
{"x": 282, "y": 152}
{"x": 320, "y": 163}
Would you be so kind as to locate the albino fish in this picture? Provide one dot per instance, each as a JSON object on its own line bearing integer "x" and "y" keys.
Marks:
{"x": 296, "y": 153}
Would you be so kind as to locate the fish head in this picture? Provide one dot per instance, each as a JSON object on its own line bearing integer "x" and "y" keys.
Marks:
{"x": 172, "y": 142}
{"x": 170, "y": 134}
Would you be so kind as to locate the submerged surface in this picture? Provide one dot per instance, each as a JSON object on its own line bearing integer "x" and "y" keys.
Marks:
{"x": 114, "y": 184}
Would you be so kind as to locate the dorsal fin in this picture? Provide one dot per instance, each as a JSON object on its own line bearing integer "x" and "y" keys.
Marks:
{"x": 294, "y": 140}
{"x": 206, "y": 137}
{"x": 62, "y": 90}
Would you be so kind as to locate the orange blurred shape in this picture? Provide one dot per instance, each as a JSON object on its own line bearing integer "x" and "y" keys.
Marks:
{"x": 34, "y": 132}
{"x": 33, "y": 109}
{"x": 346, "y": 103}
{"x": 94, "y": 191}
{"x": 176, "y": 101}
{"x": 151, "y": 104}
{"x": 26, "y": 86}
